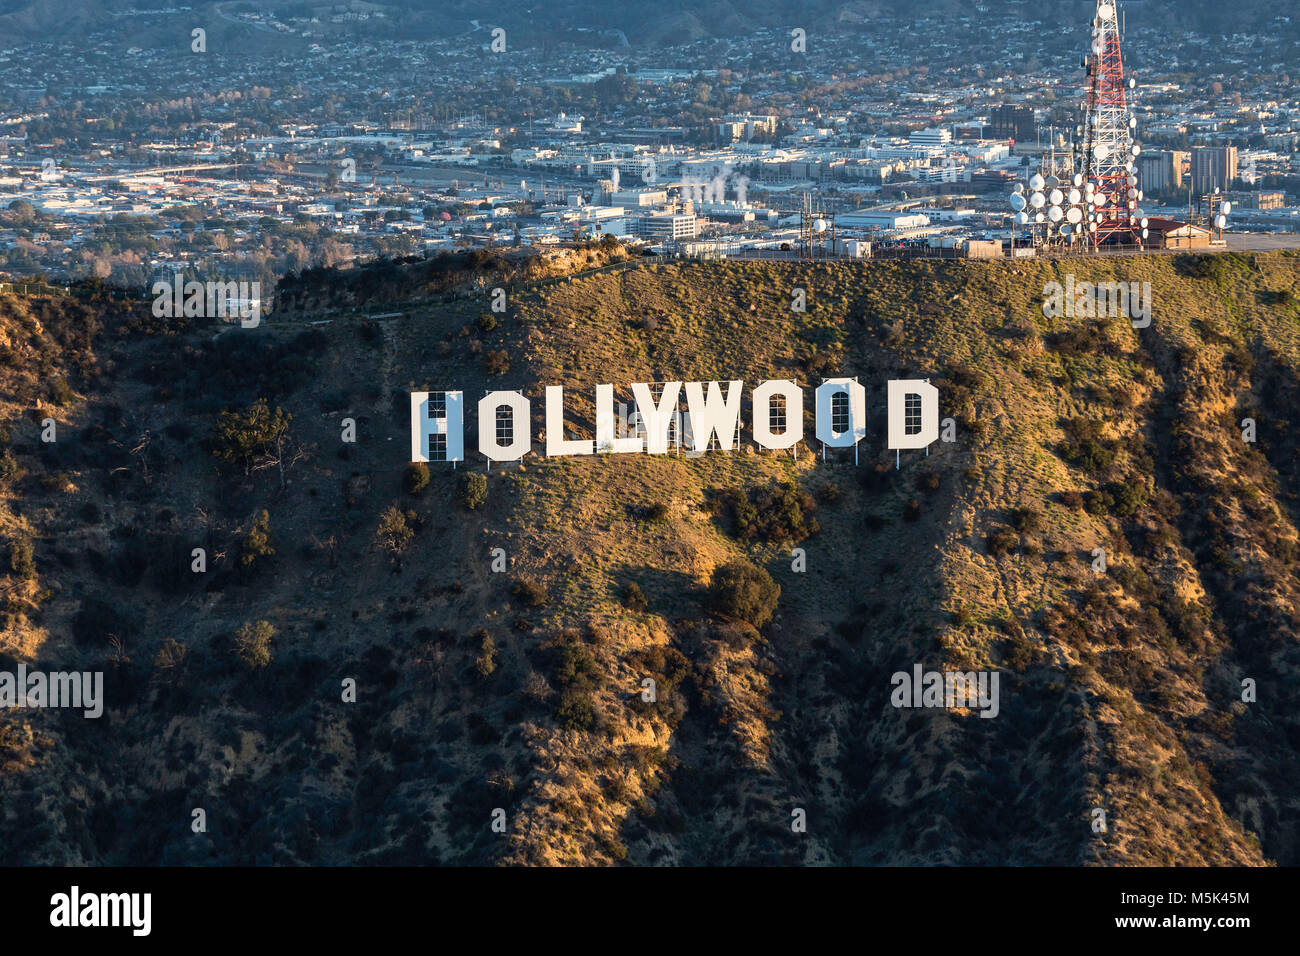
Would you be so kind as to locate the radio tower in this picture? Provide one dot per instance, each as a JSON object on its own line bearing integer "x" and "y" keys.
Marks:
{"x": 1108, "y": 153}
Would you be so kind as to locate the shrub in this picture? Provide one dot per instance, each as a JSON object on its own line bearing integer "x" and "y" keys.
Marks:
{"x": 240, "y": 437}
{"x": 473, "y": 490}
{"x": 170, "y": 658}
{"x": 657, "y": 512}
{"x": 10, "y": 470}
{"x": 536, "y": 687}
{"x": 257, "y": 544}
{"x": 253, "y": 643}
{"x": 1001, "y": 541}
{"x": 496, "y": 362}
{"x": 487, "y": 321}
{"x": 576, "y": 711}
{"x": 61, "y": 393}
{"x": 486, "y": 662}
{"x": 1116, "y": 498}
{"x": 415, "y": 478}
{"x": 775, "y": 514}
{"x": 1019, "y": 652}
{"x": 394, "y": 533}
{"x": 927, "y": 481}
{"x": 634, "y": 598}
{"x": 577, "y": 667}
{"x": 529, "y": 592}
{"x": 1084, "y": 445}
{"x": 1026, "y": 520}
{"x": 828, "y": 493}
{"x": 743, "y": 591}
{"x": 21, "y": 560}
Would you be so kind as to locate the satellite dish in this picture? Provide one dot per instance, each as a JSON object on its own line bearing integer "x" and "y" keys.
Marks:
{"x": 1039, "y": 217}
{"x": 1132, "y": 83}
{"x": 1074, "y": 215}
{"x": 1056, "y": 197}
{"x": 1037, "y": 201}
{"x": 1099, "y": 199}
{"x": 1077, "y": 180}
{"x": 1051, "y": 182}
{"x": 1132, "y": 122}
{"x": 1132, "y": 179}
{"x": 1096, "y": 48}
{"x": 1036, "y": 182}
{"x": 1139, "y": 195}
{"x": 1144, "y": 223}
{"x": 1073, "y": 196}
{"x": 1065, "y": 229}
{"x": 1055, "y": 214}
{"x": 1132, "y": 193}
{"x": 1105, "y": 12}
{"x": 1092, "y": 227}
{"x": 1136, "y": 150}
{"x": 1022, "y": 218}
{"x": 1101, "y": 151}
{"x": 820, "y": 225}
{"x": 1227, "y": 207}
{"x": 1145, "y": 234}
{"x": 1017, "y": 189}
{"x": 1017, "y": 202}
{"x": 1216, "y": 190}
{"x": 1221, "y": 221}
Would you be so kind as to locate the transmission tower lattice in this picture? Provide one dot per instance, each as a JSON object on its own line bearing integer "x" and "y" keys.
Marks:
{"x": 1108, "y": 160}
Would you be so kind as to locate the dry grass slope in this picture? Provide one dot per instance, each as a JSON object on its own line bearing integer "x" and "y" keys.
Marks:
{"x": 521, "y": 690}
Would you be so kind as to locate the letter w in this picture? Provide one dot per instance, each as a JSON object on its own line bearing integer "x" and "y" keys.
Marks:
{"x": 714, "y": 415}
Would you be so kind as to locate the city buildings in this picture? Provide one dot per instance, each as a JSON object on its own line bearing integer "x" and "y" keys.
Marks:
{"x": 1213, "y": 167}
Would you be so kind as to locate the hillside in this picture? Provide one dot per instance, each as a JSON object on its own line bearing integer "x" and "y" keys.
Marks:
{"x": 520, "y": 690}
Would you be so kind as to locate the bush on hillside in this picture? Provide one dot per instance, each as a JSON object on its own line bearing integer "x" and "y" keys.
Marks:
{"x": 775, "y": 514}
{"x": 242, "y": 436}
{"x": 528, "y": 592}
{"x": 742, "y": 590}
{"x": 253, "y": 643}
{"x": 415, "y": 478}
{"x": 634, "y": 598}
{"x": 473, "y": 490}
{"x": 257, "y": 544}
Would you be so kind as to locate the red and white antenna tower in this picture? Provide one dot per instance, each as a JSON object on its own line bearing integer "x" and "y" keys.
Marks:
{"x": 1108, "y": 160}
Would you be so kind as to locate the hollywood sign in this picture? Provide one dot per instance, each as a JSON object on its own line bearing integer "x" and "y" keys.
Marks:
{"x": 709, "y": 421}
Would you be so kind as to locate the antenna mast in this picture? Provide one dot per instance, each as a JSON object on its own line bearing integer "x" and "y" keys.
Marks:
{"x": 1109, "y": 155}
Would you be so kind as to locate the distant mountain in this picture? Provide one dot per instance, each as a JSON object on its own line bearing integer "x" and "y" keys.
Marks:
{"x": 620, "y": 21}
